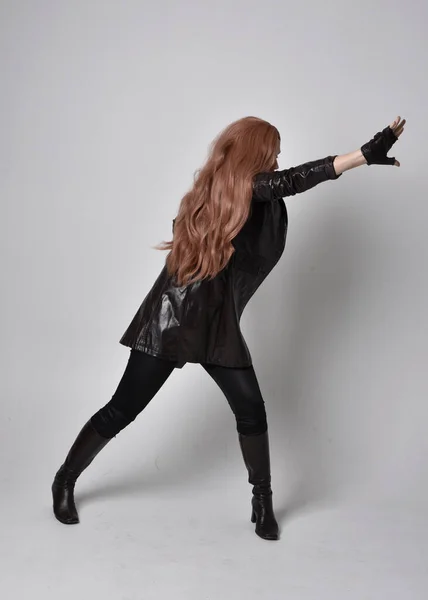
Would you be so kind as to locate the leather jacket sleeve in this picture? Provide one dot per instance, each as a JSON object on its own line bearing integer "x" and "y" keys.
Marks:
{"x": 273, "y": 185}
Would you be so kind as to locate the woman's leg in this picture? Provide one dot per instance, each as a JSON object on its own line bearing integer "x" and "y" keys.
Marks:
{"x": 144, "y": 375}
{"x": 242, "y": 391}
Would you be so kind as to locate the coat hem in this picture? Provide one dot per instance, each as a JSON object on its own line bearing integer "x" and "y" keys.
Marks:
{"x": 181, "y": 363}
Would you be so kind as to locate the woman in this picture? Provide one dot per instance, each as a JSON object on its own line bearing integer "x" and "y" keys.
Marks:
{"x": 229, "y": 233}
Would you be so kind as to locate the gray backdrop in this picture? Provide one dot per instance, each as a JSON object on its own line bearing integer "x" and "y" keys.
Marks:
{"x": 107, "y": 110}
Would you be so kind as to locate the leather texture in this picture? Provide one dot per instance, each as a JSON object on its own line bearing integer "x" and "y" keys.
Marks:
{"x": 83, "y": 451}
{"x": 256, "y": 453}
{"x": 200, "y": 322}
{"x": 375, "y": 151}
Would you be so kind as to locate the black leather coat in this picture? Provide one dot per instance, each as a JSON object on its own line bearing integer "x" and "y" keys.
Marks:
{"x": 200, "y": 322}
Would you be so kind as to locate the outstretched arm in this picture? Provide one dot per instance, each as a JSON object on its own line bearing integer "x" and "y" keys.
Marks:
{"x": 273, "y": 185}
{"x": 278, "y": 184}
{"x": 344, "y": 162}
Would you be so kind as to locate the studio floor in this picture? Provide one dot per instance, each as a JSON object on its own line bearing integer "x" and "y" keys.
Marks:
{"x": 166, "y": 541}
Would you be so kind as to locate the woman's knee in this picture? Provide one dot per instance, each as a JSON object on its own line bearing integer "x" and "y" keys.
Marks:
{"x": 251, "y": 427}
{"x": 252, "y": 422}
{"x": 110, "y": 420}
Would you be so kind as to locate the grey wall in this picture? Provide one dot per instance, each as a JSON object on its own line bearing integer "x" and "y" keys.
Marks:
{"x": 107, "y": 109}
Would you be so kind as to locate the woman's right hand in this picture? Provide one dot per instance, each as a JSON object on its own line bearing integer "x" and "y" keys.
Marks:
{"x": 375, "y": 151}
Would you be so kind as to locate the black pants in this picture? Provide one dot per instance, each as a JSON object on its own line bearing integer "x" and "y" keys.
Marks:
{"x": 144, "y": 375}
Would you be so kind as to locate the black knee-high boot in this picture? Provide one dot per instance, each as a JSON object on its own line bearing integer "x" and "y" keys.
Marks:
{"x": 255, "y": 451}
{"x": 83, "y": 451}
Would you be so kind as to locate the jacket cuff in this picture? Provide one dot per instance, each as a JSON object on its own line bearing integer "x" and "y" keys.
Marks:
{"x": 329, "y": 168}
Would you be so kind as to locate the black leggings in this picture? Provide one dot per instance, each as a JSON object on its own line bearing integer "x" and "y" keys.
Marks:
{"x": 144, "y": 375}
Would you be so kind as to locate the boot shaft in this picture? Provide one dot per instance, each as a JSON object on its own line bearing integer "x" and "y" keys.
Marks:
{"x": 255, "y": 451}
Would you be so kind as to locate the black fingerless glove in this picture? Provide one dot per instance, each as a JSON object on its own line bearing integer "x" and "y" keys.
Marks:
{"x": 375, "y": 151}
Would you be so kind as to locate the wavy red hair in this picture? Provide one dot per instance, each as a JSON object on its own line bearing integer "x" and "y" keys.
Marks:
{"x": 217, "y": 206}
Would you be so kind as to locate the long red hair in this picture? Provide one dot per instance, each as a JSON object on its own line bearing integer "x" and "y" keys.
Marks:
{"x": 217, "y": 206}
